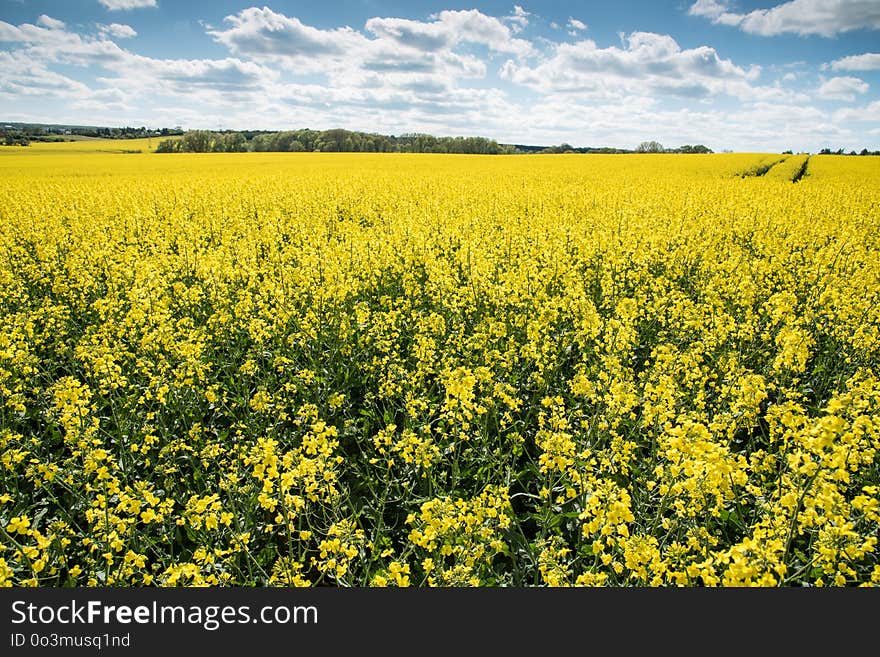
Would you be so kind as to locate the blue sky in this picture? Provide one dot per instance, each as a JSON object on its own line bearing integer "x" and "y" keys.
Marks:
{"x": 731, "y": 74}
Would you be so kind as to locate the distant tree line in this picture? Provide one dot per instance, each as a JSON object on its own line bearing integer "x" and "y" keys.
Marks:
{"x": 568, "y": 148}
{"x": 327, "y": 141}
{"x": 840, "y": 151}
{"x": 336, "y": 140}
{"x": 644, "y": 147}
{"x": 657, "y": 147}
{"x": 22, "y": 134}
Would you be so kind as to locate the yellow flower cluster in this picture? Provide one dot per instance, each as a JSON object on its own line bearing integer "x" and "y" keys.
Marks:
{"x": 459, "y": 538}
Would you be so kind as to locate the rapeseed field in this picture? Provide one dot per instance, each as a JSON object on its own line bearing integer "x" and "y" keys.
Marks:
{"x": 307, "y": 369}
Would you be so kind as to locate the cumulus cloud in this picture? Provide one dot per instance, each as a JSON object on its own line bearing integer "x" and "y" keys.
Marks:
{"x": 575, "y": 24}
{"x": 646, "y": 63}
{"x": 870, "y": 61}
{"x": 429, "y": 37}
{"x": 715, "y": 11}
{"x": 43, "y": 46}
{"x": 21, "y": 75}
{"x": 842, "y": 88}
{"x": 394, "y": 53}
{"x": 825, "y": 18}
{"x": 188, "y": 74}
{"x": 443, "y": 64}
{"x": 49, "y": 22}
{"x": 263, "y": 33}
{"x": 118, "y": 30}
{"x": 123, "y": 5}
{"x": 61, "y": 46}
{"x": 708, "y": 8}
{"x": 448, "y": 29}
{"x": 867, "y": 114}
{"x": 259, "y": 32}
{"x": 519, "y": 20}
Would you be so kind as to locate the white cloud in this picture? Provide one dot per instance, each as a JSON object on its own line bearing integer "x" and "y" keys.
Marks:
{"x": 707, "y": 8}
{"x": 716, "y": 11}
{"x": 263, "y": 33}
{"x": 117, "y": 5}
{"x": 842, "y": 88}
{"x": 385, "y": 58}
{"x": 51, "y": 23}
{"x": 519, "y": 20}
{"x": 118, "y": 30}
{"x": 822, "y": 17}
{"x": 61, "y": 46}
{"x": 870, "y": 61}
{"x": 473, "y": 26}
{"x": 189, "y": 74}
{"x": 632, "y": 119}
{"x": 867, "y": 114}
{"x": 136, "y": 73}
{"x": 413, "y": 34}
{"x": 69, "y": 48}
{"x": 575, "y": 24}
{"x": 22, "y": 76}
{"x": 402, "y": 54}
{"x": 646, "y": 63}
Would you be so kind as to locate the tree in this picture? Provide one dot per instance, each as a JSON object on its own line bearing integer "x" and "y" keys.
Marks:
{"x": 233, "y": 142}
{"x": 196, "y": 141}
{"x": 168, "y": 146}
{"x": 15, "y": 138}
{"x": 687, "y": 148}
{"x": 650, "y": 147}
